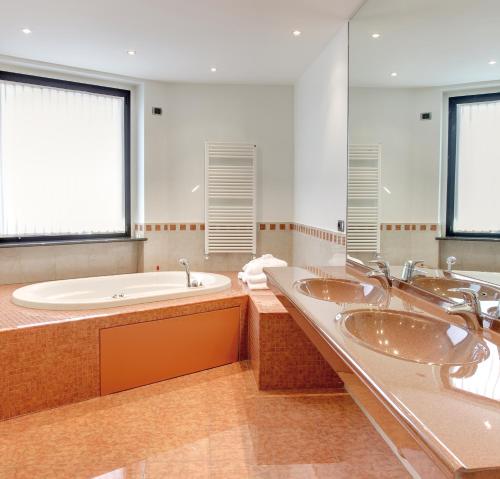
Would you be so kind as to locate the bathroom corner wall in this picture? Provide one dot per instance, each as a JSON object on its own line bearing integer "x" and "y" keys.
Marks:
{"x": 320, "y": 181}
{"x": 174, "y": 162}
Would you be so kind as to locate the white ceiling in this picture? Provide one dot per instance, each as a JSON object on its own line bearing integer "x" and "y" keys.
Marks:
{"x": 249, "y": 41}
{"x": 427, "y": 42}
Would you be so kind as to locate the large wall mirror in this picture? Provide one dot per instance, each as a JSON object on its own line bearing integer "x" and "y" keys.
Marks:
{"x": 424, "y": 135}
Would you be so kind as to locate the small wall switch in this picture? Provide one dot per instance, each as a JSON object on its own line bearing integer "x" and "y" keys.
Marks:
{"x": 341, "y": 225}
{"x": 426, "y": 116}
{"x": 157, "y": 110}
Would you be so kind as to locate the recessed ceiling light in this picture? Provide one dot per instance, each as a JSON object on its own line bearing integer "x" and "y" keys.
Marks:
{"x": 394, "y": 74}
{"x": 26, "y": 31}
{"x": 492, "y": 62}
{"x": 296, "y": 33}
{"x": 213, "y": 69}
{"x": 375, "y": 35}
{"x": 131, "y": 52}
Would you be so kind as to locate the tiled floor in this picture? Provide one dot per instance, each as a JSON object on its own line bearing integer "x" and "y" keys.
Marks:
{"x": 213, "y": 424}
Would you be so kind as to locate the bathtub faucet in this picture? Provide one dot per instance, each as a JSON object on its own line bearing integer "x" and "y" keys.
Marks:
{"x": 184, "y": 262}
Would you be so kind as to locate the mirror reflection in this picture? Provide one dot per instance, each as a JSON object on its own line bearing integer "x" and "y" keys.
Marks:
{"x": 424, "y": 142}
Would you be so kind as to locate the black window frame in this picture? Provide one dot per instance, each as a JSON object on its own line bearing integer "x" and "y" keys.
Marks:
{"x": 451, "y": 192}
{"x": 90, "y": 88}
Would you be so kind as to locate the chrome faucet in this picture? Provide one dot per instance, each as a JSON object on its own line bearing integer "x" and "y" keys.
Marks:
{"x": 450, "y": 261}
{"x": 410, "y": 268}
{"x": 383, "y": 275}
{"x": 184, "y": 262}
{"x": 190, "y": 283}
{"x": 469, "y": 310}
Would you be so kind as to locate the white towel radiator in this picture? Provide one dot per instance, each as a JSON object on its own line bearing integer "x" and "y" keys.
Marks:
{"x": 363, "y": 192}
{"x": 230, "y": 193}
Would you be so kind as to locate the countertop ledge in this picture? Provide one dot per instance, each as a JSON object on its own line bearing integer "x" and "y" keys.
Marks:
{"x": 455, "y": 413}
{"x": 26, "y": 244}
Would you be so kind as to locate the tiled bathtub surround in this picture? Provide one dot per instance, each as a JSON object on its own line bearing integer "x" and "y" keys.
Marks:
{"x": 51, "y": 358}
{"x": 317, "y": 247}
{"x": 167, "y": 242}
{"x": 44, "y": 263}
{"x": 471, "y": 255}
{"x": 402, "y": 241}
{"x": 297, "y": 244}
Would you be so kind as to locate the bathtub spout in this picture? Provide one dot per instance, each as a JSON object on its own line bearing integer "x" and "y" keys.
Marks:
{"x": 185, "y": 263}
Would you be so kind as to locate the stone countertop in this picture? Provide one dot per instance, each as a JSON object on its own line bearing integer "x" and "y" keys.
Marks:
{"x": 453, "y": 410}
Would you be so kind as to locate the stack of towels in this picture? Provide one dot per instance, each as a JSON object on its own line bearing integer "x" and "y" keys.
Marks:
{"x": 253, "y": 272}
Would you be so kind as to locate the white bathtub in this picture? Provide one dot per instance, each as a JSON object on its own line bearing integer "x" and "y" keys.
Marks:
{"x": 118, "y": 290}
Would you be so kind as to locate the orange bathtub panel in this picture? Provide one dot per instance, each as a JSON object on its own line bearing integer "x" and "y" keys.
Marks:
{"x": 144, "y": 353}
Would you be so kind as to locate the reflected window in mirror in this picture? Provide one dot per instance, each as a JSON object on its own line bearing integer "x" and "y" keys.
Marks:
{"x": 473, "y": 166}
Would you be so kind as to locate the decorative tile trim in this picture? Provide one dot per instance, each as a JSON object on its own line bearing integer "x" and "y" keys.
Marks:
{"x": 278, "y": 226}
{"x": 326, "y": 235}
{"x": 409, "y": 227}
{"x": 322, "y": 234}
{"x": 169, "y": 227}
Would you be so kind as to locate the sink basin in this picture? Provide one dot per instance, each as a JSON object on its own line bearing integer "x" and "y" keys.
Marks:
{"x": 414, "y": 337}
{"x": 340, "y": 290}
{"x": 442, "y": 286}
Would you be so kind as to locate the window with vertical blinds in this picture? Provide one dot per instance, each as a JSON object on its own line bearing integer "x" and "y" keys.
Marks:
{"x": 473, "y": 166}
{"x": 64, "y": 160}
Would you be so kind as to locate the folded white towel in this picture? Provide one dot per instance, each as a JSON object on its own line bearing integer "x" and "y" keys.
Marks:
{"x": 257, "y": 286}
{"x": 257, "y": 266}
{"x": 253, "y": 272}
{"x": 256, "y": 278}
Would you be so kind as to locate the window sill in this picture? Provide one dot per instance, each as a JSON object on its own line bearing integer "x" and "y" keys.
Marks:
{"x": 66, "y": 242}
{"x": 468, "y": 238}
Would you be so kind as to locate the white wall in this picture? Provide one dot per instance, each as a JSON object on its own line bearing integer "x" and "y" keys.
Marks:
{"x": 321, "y": 137}
{"x": 411, "y": 148}
{"x": 192, "y": 113}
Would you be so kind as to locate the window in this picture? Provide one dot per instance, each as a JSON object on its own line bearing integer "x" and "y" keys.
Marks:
{"x": 473, "y": 166}
{"x": 64, "y": 160}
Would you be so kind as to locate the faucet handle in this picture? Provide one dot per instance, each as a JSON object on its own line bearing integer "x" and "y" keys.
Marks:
{"x": 382, "y": 264}
{"x": 184, "y": 262}
{"x": 415, "y": 263}
{"x": 471, "y": 298}
{"x": 384, "y": 279}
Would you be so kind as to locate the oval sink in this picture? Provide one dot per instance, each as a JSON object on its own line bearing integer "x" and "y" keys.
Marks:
{"x": 414, "y": 337}
{"x": 340, "y": 290}
{"x": 442, "y": 286}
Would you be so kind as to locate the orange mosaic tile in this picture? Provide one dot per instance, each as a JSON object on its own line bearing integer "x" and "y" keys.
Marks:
{"x": 281, "y": 355}
{"x": 212, "y": 424}
{"x": 51, "y": 358}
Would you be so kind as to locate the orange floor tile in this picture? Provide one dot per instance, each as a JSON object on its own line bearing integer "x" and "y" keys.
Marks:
{"x": 213, "y": 424}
